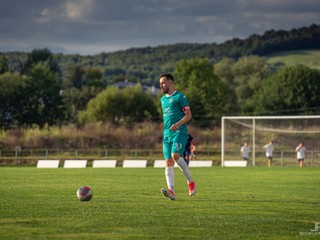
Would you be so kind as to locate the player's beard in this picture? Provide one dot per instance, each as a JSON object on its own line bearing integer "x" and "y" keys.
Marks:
{"x": 165, "y": 90}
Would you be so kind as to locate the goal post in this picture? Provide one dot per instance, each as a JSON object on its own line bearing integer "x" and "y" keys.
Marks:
{"x": 258, "y": 130}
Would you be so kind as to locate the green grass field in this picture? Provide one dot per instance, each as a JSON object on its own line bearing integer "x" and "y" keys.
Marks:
{"x": 231, "y": 203}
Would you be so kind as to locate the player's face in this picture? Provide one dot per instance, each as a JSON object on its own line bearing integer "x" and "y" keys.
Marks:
{"x": 164, "y": 85}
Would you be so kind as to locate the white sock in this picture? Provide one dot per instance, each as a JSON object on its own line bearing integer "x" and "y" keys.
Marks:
{"x": 169, "y": 172}
{"x": 184, "y": 168}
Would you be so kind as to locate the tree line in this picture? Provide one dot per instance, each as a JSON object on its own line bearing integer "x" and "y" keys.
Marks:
{"x": 41, "y": 88}
{"x": 145, "y": 64}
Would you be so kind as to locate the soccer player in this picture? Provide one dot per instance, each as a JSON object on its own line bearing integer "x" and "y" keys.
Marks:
{"x": 244, "y": 151}
{"x": 176, "y": 113}
{"x": 269, "y": 152}
{"x": 187, "y": 150}
{"x": 193, "y": 149}
{"x": 300, "y": 150}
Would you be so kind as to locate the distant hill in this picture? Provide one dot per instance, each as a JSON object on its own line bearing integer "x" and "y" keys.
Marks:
{"x": 270, "y": 42}
{"x": 145, "y": 64}
{"x": 310, "y": 58}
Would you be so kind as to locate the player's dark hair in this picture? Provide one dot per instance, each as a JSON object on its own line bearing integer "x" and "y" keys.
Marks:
{"x": 167, "y": 76}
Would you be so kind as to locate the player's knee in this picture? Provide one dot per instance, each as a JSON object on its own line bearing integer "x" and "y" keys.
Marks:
{"x": 176, "y": 156}
{"x": 170, "y": 163}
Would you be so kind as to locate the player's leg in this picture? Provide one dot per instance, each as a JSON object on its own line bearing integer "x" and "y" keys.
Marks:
{"x": 301, "y": 163}
{"x": 185, "y": 170}
{"x": 179, "y": 142}
{"x": 194, "y": 155}
{"x": 169, "y": 170}
{"x": 169, "y": 173}
{"x": 270, "y": 161}
{"x": 186, "y": 156}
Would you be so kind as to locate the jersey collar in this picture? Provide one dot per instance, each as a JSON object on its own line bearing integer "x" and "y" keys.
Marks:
{"x": 171, "y": 94}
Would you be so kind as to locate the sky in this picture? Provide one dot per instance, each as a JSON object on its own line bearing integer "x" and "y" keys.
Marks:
{"x": 89, "y": 27}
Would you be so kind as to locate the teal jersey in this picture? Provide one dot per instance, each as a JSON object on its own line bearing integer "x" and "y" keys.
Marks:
{"x": 172, "y": 110}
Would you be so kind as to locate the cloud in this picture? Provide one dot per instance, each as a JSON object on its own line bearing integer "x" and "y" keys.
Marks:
{"x": 77, "y": 10}
{"x": 70, "y": 10}
{"x": 93, "y": 26}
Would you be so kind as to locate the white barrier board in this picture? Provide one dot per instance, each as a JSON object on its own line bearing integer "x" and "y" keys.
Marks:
{"x": 104, "y": 163}
{"x": 200, "y": 163}
{"x": 239, "y": 163}
{"x": 48, "y": 163}
{"x": 134, "y": 163}
{"x": 75, "y": 164}
{"x": 161, "y": 164}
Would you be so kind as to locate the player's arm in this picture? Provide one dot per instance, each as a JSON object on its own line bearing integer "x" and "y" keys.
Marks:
{"x": 186, "y": 118}
{"x": 299, "y": 147}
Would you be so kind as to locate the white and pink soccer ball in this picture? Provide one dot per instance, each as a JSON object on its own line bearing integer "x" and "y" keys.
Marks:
{"x": 84, "y": 193}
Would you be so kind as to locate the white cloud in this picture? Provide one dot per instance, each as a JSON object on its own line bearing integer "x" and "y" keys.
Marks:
{"x": 45, "y": 16}
{"x": 89, "y": 25}
{"x": 76, "y": 10}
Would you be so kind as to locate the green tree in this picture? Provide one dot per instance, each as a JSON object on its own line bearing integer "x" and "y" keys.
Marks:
{"x": 76, "y": 100}
{"x": 140, "y": 105}
{"x": 11, "y": 85}
{"x": 41, "y": 100}
{"x": 243, "y": 78}
{"x": 41, "y": 56}
{"x": 74, "y": 77}
{"x": 126, "y": 106}
{"x": 223, "y": 69}
{"x": 93, "y": 77}
{"x": 291, "y": 90}
{"x": 248, "y": 72}
{"x": 3, "y": 64}
{"x": 204, "y": 89}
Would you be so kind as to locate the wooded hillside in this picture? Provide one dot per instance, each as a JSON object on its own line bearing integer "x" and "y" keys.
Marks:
{"x": 145, "y": 64}
{"x": 233, "y": 78}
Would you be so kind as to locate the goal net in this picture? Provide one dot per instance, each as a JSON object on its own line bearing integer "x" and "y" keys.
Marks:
{"x": 286, "y": 132}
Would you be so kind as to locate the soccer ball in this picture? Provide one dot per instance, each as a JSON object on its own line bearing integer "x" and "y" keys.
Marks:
{"x": 84, "y": 193}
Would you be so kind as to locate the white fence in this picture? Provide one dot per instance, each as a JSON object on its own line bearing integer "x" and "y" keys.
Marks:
{"x": 20, "y": 156}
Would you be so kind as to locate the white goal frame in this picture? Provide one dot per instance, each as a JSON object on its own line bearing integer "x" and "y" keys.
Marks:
{"x": 253, "y": 118}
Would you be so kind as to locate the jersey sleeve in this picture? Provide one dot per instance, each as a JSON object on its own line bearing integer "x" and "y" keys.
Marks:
{"x": 184, "y": 101}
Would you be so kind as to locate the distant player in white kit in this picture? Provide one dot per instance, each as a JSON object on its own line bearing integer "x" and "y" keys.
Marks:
{"x": 300, "y": 150}
{"x": 269, "y": 152}
{"x": 244, "y": 151}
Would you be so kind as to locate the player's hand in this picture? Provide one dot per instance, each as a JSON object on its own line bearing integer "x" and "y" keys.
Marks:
{"x": 174, "y": 127}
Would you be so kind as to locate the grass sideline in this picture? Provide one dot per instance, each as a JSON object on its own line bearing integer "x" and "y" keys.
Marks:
{"x": 231, "y": 203}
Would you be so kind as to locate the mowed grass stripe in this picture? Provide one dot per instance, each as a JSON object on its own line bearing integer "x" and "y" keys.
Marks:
{"x": 231, "y": 203}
